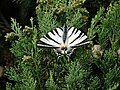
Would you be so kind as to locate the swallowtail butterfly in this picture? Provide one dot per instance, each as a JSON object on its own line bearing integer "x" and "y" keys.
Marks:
{"x": 63, "y": 40}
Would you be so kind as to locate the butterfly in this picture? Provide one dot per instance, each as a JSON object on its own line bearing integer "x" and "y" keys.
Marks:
{"x": 64, "y": 40}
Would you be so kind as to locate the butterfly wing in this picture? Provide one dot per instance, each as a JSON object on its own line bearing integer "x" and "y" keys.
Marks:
{"x": 76, "y": 38}
{"x": 51, "y": 40}
{"x": 72, "y": 38}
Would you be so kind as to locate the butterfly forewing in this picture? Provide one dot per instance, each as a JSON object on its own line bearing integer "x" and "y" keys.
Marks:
{"x": 59, "y": 31}
{"x": 52, "y": 39}
{"x": 76, "y": 38}
{"x": 43, "y": 42}
{"x": 70, "y": 31}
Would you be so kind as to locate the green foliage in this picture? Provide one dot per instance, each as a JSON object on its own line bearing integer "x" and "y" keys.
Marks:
{"x": 108, "y": 30}
{"x": 76, "y": 77}
{"x": 23, "y": 74}
{"x": 39, "y": 69}
{"x": 52, "y": 13}
{"x": 50, "y": 84}
{"x": 25, "y": 53}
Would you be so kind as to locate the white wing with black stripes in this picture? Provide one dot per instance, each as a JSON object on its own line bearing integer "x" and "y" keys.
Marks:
{"x": 76, "y": 38}
{"x": 63, "y": 40}
{"x": 53, "y": 39}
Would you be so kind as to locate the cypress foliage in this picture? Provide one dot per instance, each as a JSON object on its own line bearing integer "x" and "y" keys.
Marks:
{"x": 39, "y": 69}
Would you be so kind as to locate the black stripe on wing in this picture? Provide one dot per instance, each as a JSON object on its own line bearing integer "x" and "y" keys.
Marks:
{"x": 76, "y": 37}
{"x": 46, "y": 41}
{"x": 52, "y": 39}
{"x": 56, "y": 32}
{"x": 71, "y": 32}
{"x": 86, "y": 41}
{"x": 45, "y": 45}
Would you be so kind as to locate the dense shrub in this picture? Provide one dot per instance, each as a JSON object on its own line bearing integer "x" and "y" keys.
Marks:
{"x": 39, "y": 69}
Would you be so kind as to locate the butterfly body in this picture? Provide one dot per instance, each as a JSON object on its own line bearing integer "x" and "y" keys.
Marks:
{"x": 63, "y": 40}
